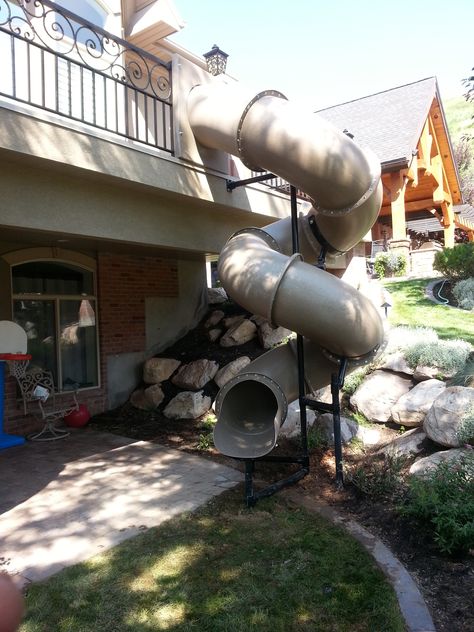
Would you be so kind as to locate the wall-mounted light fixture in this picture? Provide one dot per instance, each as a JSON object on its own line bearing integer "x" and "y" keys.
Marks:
{"x": 216, "y": 60}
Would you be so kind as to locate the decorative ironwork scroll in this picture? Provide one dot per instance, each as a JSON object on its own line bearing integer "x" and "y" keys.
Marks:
{"x": 58, "y": 61}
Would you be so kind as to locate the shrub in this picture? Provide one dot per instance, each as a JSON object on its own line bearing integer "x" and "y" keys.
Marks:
{"x": 465, "y": 430}
{"x": 448, "y": 356}
{"x": 456, "y": 263}
{"x": 390, "y": 264}
{"x": 464, "y": 377}
{"x": 464, "y": 293}
{"x": 378, "y": 478}
{"x": 443, "y": 501}
{"x": 354, "y": 380}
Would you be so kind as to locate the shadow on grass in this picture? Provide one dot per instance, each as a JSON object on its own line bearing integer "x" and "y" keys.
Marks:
{"x": 224, "y": 568}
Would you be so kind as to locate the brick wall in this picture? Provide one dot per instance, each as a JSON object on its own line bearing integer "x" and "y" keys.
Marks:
{"x": 123, "y": 284}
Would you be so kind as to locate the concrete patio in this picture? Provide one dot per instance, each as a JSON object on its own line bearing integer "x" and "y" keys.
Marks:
{"x": 62, "y": 502}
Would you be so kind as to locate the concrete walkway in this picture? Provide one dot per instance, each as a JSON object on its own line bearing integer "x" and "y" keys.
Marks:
{"x": 62, "y": 502}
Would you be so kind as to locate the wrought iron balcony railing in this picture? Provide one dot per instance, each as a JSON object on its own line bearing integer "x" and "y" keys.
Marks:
{"x": 54, "y": 60}
{"x": 279, "y": 184}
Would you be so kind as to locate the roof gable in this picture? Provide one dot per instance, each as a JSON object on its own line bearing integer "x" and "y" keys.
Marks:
{"x": 389, "y": 122}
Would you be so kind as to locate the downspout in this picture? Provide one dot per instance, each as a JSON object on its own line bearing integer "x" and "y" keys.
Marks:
{"x": 259, "y": 272}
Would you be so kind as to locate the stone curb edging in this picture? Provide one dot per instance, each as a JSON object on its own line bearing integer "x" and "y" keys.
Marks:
{"x": 412, "y": 605}
{"x": 430, "y": 294}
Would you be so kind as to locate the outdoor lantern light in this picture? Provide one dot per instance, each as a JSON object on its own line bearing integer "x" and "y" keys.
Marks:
{"x": 216, "y": 60}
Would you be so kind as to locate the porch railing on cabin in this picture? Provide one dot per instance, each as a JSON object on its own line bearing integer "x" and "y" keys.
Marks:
{"x": 56, "y": 61}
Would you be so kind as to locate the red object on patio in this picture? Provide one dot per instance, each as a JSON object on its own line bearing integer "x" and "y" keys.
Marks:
{"x": 78, "y": 418}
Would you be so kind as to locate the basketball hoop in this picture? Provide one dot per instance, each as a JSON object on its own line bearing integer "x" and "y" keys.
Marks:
{"x": 13, "y": 345}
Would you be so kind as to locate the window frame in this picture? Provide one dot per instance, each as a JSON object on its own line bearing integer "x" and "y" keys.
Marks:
{"x": 56, "y": 255}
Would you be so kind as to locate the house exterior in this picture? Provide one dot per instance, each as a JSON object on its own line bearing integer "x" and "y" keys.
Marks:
{"x": 108, "y": 207}
{"x": 406, "y": 128}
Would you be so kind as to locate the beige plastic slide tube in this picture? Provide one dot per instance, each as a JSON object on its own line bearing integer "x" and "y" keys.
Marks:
{"x": 258, "y": 270}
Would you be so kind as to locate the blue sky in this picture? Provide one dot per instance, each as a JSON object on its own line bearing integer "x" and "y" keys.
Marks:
{"x": 328, "y": 52}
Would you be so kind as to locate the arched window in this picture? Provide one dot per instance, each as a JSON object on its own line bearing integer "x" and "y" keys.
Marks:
{"x": 54, "y": 301}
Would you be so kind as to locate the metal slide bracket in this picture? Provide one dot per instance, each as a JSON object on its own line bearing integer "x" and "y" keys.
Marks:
{"x": 337, "y": 381}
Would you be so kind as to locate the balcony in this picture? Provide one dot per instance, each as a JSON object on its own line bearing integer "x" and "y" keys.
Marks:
{"x": 56, "y": 62}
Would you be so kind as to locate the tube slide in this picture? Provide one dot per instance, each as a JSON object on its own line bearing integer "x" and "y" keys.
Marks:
{"x": 259, "y": 271}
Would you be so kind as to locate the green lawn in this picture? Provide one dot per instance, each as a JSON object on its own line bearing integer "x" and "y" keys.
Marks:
{"x": 272, "y": 568}
{"x": 412, "y": 307}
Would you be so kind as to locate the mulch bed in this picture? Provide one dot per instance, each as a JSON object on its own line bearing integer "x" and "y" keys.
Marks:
{"x": 446, "y": 582}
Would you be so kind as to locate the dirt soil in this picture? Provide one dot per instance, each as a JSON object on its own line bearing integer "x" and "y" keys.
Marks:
{"x": 446, "y": 582}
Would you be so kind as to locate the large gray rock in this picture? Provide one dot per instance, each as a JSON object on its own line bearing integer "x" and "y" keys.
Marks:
{"x": 425, "y": 373}
{"x": 157, "y": 370}
{"x": 147, "y": 399}
{"x": 445, "y": 416}
{"x": 230, "y": 321}
{"x": 270, "y": 336}
{"x": 411, "y": 408}
{"x": 377, "y": 394}
{"x": 214, "y": 334}
{"x": 369, "y": 436}
{"x": 216, "y": 316}
{"x": 429, "y": 463}
{"x": 187, "y": 405}
{"x": 292, "y": 426}
{"x": 216, "y": 295}
{"x": 349, "y": 428}
{"x": 239, "y": 334}
{"x": 195, "y": 375}
{"x": 230, "y": 370}
{"x": 396, "y": 362}
{"x": 408, "y": 444}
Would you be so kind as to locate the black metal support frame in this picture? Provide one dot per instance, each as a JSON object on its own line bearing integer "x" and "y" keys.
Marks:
{"x": 337, "y": 381}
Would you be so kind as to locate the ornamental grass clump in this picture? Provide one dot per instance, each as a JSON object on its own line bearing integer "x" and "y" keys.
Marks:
{"x": 442, "y": 503}
{"x": 449, "y": 356}
{"x": 403, "y": 336}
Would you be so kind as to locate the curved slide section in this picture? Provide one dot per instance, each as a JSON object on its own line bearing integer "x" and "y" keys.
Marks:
{"x": 259, "y": 271}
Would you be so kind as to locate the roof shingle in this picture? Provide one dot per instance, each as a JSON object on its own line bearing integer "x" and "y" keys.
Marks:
{"x": 389, "y": 122}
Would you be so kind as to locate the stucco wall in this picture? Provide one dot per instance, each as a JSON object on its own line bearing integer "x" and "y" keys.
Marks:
{"x": 169, "y": 318}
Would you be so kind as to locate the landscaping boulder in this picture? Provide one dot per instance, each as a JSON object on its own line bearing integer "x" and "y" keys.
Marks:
{"x": 396, "y": 362}
{"x": 230, "y": 321}
{"x": 408, "y": 444}
{"x": 230, "y": 370}
{"x": 292, "y": 427}
{"x": 216, "y": 316}
{"x": 214, "y": 334}
{"x": 258, "y": 320}
{"x": 270, "y": 336}
{"x": 411, "y": 408}
{"x": 377, "y": 394}
{"x": 369, "y": 436}
{"x": 325, "y": 423}
{"x": 187, "y": 405}
{"x": 148, "y": 398}
{"x": 428, "y": 463}
{"x": 239, "y": 334}
{"x": 216, "y": 295}
{"x": 157, "y": 370}
{"x": 195, "y": 375}
{"x": 425, "y": 373}
{"x": 446, "y": 414}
